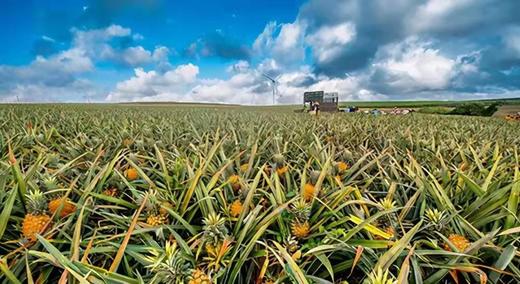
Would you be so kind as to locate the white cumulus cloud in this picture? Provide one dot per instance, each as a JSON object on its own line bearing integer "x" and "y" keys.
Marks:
{"x": 329, "y": 41}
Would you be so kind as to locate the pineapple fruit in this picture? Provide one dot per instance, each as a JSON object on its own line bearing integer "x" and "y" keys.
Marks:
{"x": 132, "y": 174}
{"x": 459, "y": 241}
{"x": 308, "y": 192}
{"x": 157, "y": 214}
{"x": 234, "y": 180}
{"x": 111, "y": 191}
{"x": 61, "y": 205}
{"x": 236, "y": 208}
{"x": 37, "y": 219}
{"x": 154, "y": 219}
{"x": 279, "y": 162}
{"x": 300, "y": 227}
{"x": 282, "y": 170}
{"x": 199, "y": 277}
{"x": 244, "y": 167}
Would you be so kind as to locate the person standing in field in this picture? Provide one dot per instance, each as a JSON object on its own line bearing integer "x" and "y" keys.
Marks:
{"x": 316, "y": 107}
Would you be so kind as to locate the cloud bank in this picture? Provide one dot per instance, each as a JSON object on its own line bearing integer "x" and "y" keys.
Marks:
{"x": 364, "y": 50}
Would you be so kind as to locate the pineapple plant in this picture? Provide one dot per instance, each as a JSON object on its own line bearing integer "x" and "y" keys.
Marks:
{"x": 170, "y": 266}
{"x": 37, "y": 219}
{"x": 421, "y": 155}
{"x": 437, "y": 219}
{"x": 300, "y": 227}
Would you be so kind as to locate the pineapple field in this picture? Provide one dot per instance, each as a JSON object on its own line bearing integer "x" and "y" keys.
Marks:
{"x": 160, "y": 194}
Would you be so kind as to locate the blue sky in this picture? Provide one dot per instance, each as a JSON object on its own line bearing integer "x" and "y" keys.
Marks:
{"x": 217, "y": 51}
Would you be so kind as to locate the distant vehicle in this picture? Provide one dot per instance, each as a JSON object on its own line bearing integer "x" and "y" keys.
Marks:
{"x": 377, "y": 112}
{"x": 350, "y": 109}
{"x": 398, "y": 111}
{"x": 328, "y": 101}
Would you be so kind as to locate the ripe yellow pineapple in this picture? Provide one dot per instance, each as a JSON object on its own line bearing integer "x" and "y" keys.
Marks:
{"x": 342, "y": 166}
{"x": 111, "y": 191}
{"x": 66, "y": 206}
{"x": 234, "y": 180}
{"x": 132, "y": 174}
{"x": 300, "y": 230}
{"x": 460, "y": 242}
{"x": 156, "y": 219}
{"x": 244, "y": 167}
{"x": 199, "y": 277}
{"x": 157, "y": 213}
{"x": 37, "y": 219}
{"x": 308, "y": 192}
{"x": 236, "y": 208}
{"x": 282, "y": 170}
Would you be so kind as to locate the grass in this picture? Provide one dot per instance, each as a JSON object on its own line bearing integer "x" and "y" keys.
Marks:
{"x": 423, "y": 198}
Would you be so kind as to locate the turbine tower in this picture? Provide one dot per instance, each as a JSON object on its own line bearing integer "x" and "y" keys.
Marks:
{"x": 274, "y": 82}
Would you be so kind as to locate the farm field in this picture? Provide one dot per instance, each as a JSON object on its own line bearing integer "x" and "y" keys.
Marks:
{"x": 210, "y": 194}
{"x": 428, "y": 103}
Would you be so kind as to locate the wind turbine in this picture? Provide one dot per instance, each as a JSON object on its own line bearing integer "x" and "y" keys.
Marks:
{"x": 273, "y": 84}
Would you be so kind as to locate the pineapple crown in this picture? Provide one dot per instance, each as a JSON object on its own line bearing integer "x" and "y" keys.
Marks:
{"x": 53, "y": 159}
{"x": 387, "y": 203}
{"x": 214, "y": 228}
{"x": 279, "y": 159}
{"x": 152, "y": 204}
{"x": 172, "y": 266}
{"x": 436, "y": 218}
{"x": 36, "y": 202}
{"x": 378, "y": 276}
{"x": 50, "y": 183}
{"x": 301, "y": 210}
{"x": 315, "y": 175}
